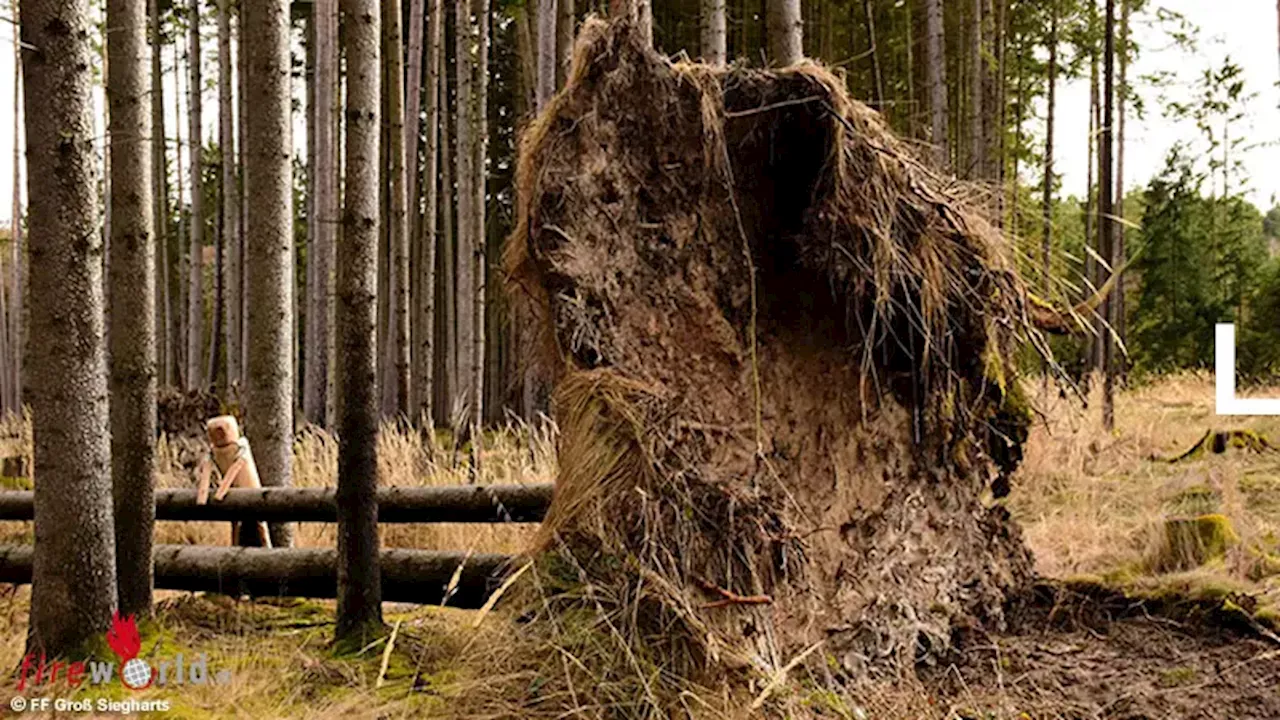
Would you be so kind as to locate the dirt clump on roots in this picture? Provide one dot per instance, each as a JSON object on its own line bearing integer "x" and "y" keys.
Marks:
{"x": 781, "y": 351}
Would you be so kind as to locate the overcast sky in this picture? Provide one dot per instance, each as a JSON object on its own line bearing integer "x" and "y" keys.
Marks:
{"x": 1246, "y": 30}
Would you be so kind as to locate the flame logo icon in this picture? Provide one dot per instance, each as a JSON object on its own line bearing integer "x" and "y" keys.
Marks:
{"x": 125, "y": 642}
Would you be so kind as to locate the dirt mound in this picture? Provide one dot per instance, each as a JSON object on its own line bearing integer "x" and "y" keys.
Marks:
{"x": 781, "y": 351}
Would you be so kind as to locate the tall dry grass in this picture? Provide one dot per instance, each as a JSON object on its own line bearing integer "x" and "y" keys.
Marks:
{"x": 1094, "y": 503}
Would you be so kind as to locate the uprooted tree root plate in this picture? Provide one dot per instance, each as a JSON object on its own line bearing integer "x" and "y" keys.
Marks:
{"x": 781, "y": 351}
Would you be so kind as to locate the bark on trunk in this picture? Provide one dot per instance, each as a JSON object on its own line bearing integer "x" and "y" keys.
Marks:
{"x": 1106, "y": 224}
{"x": 1046, "y": 240}
{"x": 230, "y": 232}
{"x": 448, "y": 352}
{"x": 565, "y": 23}
{"x": 1119, "y": 315}
{"x": 359, "y": 592}
{"x": 74, "y": 565}
{"x": 269, "y": 235}
{"x": 546, "y": 65}
{"x": 132, "y": 276}
{"x": 424, "y": 333}
{"x": 977, "y": 154}
{"x": 478, "y": 165}
{"x": 714, "y": 33}
{"x": 464, "y": 36}
{"x": 398, "y": 333}
{"x": 935, "y": 80}
{"x": 195, "y": 145}
{"x": 160, "y": 204}
{"x": 785, "y": 31}
{"x": 16, "y": 307}
{"x": 874, "y": 50}
{"x": 320, "y": 260}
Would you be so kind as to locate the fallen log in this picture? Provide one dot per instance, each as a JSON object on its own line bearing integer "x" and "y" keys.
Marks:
{"x": 413, "y": 576}
{"x": 452, "y": 504}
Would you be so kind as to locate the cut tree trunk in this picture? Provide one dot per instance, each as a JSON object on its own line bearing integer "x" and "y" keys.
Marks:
{"x": 444, "y": 504}
{"x": 132, "y": 274}
{"x": 269, "y": 236}
{"x": 74, "y": 565}
{"x": 455, "y": 579}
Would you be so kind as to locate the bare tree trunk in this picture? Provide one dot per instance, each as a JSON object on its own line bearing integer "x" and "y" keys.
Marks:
{"x": 398, "y": 335}
{"x": 1119, "y": 321}
{"x": 195, "y": 287}
{"x": 448, "y": 353}
{"x": 359, "y": 584}
{"x": 1090, "y": 213}
{"x": 132, "y": 271}
{"x": 181, "y": 318}
{"x": 1046, "y": 240}
{"x": 74, "y": 569}
{"x": 478, "y": 166}
{"x": 325, "y": 211}
{"x": 242, "y": 59}
{"x": 565, "y": 22}
{"x": 546, "y": 65}
{"x": 786, "y": 32}
{"x": 269, "y": 235}
{"x": 412, "y": 115}
{"x": 935, "y": 79}
{"x": 465, "y": 62}
{"x": 874, "y": 50}
{"x": 1106, "y": 222}
{"x": 160, "y": 201}
{"x": 16, "y": 255}
{"x": 977, "y": 153}
{"x": 425, "y": 331}
{"x": 227, "y": 142}
{"x": 715, "y": 33}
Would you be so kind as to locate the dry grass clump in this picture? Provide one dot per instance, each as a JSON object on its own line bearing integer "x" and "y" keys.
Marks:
{"x": 1098, "y": 504}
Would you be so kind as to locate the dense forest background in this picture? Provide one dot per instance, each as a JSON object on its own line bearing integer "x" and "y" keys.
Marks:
{"x": 975, "y": 82}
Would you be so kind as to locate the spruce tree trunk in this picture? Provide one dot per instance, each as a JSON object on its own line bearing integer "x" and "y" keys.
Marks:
{"x": 74, "y": 568}
{"x": 424, "y": 333}
{"x": 195, "y": 145}
{"x": 359, "y": 584}
{"x": 1119, "y": 314}
{"x": 242, "y": 132}
{"x": 398, "y": 334}
{"x": 465, "y": 295}
{"x": 16, "y": 255}
{"x": 160, "y": 202}
{"x": 447, "y": 355}
{"x": 1094, "y": 268}
{"x": 1106, "y": 223}
{"x": 132, "y": 334}
{"x": 230, "y": 230}
{"x": 479, "y": 163}
{"x": 878, "y": 74}
{"x": 546, "y": 64}
{"x": 935, "y": 80}
{"x": 785, "y": 31}
{"x": 714, "y": 33}
{"x": 325, "y": 208}
{"x": 269, "y": 236}
{"x": 181, "y": 247}
{"x": 977, "y": 154}
{"x": 565, "y": 21}
{"x": 1046, "y": 240}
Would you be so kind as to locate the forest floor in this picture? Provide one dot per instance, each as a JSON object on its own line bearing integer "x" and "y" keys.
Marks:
{"x": 1118, "y": 633}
